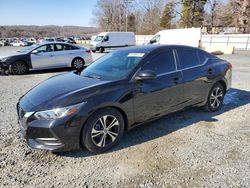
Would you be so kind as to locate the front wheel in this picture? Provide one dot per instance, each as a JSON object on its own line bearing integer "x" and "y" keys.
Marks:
{"x": 19, "y": 68}
{"x": 103, "y": 130}
{"x": 215, "y": 98}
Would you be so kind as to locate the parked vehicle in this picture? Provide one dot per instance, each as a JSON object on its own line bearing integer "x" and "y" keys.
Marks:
{"x": 108, "y": 40}
{"x": 18, "y": 43}
{"x": 1, "y": 43}
{"x": 119, "y": 91}
{"x": 71, "y": 40}
{"x": 46, "y": 56}
{"x": 188, "y": 36}
{"x": 50, "y": 40}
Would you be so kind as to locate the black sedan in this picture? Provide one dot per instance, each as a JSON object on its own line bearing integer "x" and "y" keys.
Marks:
{"x": 119, "y": 91}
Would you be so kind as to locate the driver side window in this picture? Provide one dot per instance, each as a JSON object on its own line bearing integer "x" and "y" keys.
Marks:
{"x": 106, "y": 38}
{"x": 45, "y": 48}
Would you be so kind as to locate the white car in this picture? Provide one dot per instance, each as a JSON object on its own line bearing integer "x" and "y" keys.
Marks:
{"x": 17, "y": 43}
{"x": 47, "y": 56}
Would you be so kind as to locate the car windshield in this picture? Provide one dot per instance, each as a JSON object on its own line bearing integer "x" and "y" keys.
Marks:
{"x": 28, "y": 49}
{"x": 115, "y": 65}
{"x": 99, "y": 38}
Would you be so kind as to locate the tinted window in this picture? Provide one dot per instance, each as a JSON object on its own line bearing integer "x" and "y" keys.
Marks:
{"x": 73, "y": 47}
{"x": 66, "y": 47}
{"x": 190, "y": 57}
{"x": 163, "y": 62}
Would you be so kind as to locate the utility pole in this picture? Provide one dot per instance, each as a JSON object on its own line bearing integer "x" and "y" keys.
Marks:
{"x": 127, "y": 3}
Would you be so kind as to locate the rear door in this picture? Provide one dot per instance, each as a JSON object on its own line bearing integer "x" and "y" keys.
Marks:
{"x": 196, "y": 74}
{"x": 63, "y": 55}
{"x": 154, "y": 98}
{"x": 44, "y": 58}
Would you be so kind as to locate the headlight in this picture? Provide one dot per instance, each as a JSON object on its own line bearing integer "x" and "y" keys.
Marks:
{"x": 4, "y": 59}
{"x": 58, "y": 112}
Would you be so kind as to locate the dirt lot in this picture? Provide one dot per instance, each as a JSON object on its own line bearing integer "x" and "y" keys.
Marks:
{"x": 191, "y": 148}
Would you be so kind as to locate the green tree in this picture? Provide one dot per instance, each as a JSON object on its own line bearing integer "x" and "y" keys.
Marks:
{"x": 168, "y": 15}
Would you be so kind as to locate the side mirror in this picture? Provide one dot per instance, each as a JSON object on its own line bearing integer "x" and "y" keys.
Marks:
{"x": 34, "y": 52}
{"x": 146, "y": 75}
{"x": 152, "y": 41}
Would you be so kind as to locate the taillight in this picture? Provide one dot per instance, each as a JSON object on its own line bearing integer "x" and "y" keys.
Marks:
{"x": 88, "y": 51}
{"x": 230, "y": 65}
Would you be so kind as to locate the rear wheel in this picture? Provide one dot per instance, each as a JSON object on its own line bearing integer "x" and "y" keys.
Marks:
{"x": 215, "y": 98}
{"x": 19, "y": 68}
{"x": 78, "y": 63}
{"x": 103, "y": 130}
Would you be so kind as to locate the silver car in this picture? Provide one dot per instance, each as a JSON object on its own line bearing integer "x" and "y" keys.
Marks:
{"x": 46, "y": 56}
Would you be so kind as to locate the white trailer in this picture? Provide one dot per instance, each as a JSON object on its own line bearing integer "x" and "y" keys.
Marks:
{"x": 111, "y": 40}
{"x": 189, "y": 37}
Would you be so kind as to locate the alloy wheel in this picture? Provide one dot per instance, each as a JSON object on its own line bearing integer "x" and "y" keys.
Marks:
{"x": 216, "y": 97}
{"x": 105, "y": 131}
{"x": 78, "y": 63}
{"x": 19, "y": 68}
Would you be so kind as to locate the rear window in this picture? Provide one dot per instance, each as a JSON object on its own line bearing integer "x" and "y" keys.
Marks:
{"x": 73, "y": 47}
{"x": 191, "y": 57}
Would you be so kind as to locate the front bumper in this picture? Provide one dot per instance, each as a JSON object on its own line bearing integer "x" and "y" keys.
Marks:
{"x": 4, "y": 67}
{"x": 53, "y": 135}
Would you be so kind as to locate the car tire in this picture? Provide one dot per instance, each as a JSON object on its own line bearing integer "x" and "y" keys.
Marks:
{"x": 215, "y": 98}
{"x": 19, "y": 68}
{"x": 78, "y": 63}
{"x": 101, "y": 49}
{"x": 95, "y": 137}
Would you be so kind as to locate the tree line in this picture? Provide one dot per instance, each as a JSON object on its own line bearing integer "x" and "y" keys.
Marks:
{"x": 46, "y": 31}
{"x": 150, "y": 16}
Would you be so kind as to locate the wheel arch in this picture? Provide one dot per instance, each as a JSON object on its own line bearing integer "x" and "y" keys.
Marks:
{"x": 223, "y": 83}
{"x": 124, "y": 115}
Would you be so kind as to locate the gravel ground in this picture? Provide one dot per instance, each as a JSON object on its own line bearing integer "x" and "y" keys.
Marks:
{"x": 191, "y": 148}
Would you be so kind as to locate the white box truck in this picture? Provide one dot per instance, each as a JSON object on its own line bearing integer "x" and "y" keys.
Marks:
{"x": 111, "y": 40}
{"x": 188, "y": 36}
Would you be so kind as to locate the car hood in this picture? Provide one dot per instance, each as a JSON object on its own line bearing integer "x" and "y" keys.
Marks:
{"x": 59, "y": 91}
{"x": 10, "y": 54}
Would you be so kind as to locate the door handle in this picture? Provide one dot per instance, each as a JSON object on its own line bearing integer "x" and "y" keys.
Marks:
{"x": 210, "y": 71}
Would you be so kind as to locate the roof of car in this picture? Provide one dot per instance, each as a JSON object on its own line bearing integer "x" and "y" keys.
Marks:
{"x": 150, "y": 47}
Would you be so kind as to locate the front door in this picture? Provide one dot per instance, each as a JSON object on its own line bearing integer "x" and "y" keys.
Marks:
{"x": 44, "y": 57}
{"x": 153, "y": 98}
